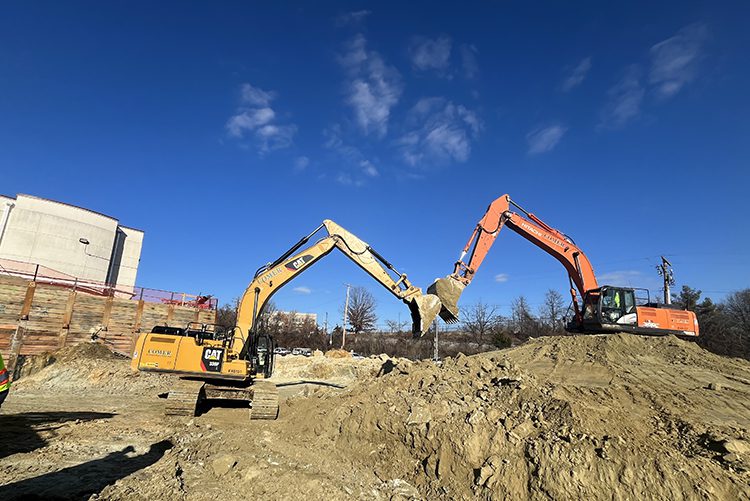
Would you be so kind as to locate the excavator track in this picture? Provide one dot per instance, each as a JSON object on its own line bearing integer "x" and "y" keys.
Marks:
{"x": 265, "y": 401}
{"x": 184, "y": 397}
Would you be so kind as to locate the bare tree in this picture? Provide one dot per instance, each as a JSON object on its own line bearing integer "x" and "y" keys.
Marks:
{"x": 394, "y": 326}
{"x": 737, "y": 313}
{"x": 265, "y": 318}
{"x": 522, "y": 321}
{"x": 226, "y": 315}
{"x": 551, "y": 311}
{"x": 479, "y": 320}
{"x": 361, "y": 314}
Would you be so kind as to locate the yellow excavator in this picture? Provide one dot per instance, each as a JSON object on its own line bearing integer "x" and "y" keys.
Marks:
{"x": 219, "y": 363}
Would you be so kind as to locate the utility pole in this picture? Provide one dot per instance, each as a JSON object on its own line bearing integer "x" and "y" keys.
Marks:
{"x": 346, "y": 311}
{"x": 665, "y": 270}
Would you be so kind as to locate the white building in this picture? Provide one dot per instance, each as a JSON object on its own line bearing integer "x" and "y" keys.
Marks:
{"x": 74, "y": 241}
{"x": 297, "y": 317}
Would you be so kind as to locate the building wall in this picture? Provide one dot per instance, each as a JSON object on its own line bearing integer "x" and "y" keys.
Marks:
{"x": 127, "y": 256}
{"x": 47, "y": 232}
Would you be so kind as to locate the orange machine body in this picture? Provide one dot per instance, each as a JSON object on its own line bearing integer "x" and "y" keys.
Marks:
{"x": 661, "y": 319}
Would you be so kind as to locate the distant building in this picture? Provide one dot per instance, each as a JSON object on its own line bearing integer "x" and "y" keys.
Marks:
{"x": 298, "y": 318}
{"x": 74, "y": 241}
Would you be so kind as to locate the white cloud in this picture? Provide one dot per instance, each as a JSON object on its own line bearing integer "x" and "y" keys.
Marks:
{"x": 624, "y": 100}
{"x": 249, "y": 120}
{"x": 674, "y": 61}
{"x": 576, "y": 75}
{"x": 373, "y": 87}
{"x": 254, "y": 96}
{"x": 301, "y": 163}
{"x": 501, "y": 277}
{"x": 441, "y": 131}
{"x": 361, "y": 167}
{"x": 428, "y": 54}
{"x": 622, "y": 278}
{"x": 469, "y": 60}
{"x": 302, "y": 290}
{"x": 545, "y": 139}
{"x": 275, "y": 137}
{"x": 255, "y": 119}
{"x": 368, "y": 168}
{"x": 352, "y": 18}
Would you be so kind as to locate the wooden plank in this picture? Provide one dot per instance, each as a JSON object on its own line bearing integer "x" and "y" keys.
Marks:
{"x": 139, "y": 316}
{"x": 28, "y": 298}
{"x": 107, "y": 311}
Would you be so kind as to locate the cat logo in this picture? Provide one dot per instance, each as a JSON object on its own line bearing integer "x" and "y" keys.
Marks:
{"x": 212, "y": 359}
{"x": 298, "y": 262}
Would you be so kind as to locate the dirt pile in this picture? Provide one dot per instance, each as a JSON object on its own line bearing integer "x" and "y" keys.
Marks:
{"x": 570, "y": 417}
{"x": 591, "y": 417}
{"x": 86, "y": 367}
{"x": 341, "y": 369}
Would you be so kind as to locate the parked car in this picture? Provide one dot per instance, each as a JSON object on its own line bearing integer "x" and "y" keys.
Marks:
{"x": 281, "y": 351}
{"x": 306, "y": 352}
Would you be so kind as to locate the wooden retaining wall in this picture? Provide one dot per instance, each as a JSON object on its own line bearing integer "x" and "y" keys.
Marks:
{"x": 37, "y": 318}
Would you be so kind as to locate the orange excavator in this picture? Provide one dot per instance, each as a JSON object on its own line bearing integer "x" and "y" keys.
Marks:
{"x": 596, "y": 309}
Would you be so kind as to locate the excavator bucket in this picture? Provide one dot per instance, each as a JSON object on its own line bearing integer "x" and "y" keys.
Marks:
{"x": 423, "y": 309}
{"x": 448, "y": 289}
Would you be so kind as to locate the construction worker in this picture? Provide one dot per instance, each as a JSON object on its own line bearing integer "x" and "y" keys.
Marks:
{"x": 4, "y": 381}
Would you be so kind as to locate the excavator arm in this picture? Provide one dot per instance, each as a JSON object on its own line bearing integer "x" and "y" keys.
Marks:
{"x": 271, "y": 277}
{"x": 533, "y": 229}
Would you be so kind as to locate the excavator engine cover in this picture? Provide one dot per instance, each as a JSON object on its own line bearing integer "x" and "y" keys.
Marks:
{"x": 423, "y": 309}
{"x": 449, "y": 290}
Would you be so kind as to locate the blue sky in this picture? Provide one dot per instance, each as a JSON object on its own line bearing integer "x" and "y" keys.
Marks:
{"x": 228, "y": 131}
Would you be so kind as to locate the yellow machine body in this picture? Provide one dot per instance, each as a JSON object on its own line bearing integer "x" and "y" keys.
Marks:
{"x": 186, "y": 356}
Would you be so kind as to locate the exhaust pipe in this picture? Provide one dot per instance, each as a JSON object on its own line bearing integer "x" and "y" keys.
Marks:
{"x": 423, "y": 310}
{"x": 448, "y": 290}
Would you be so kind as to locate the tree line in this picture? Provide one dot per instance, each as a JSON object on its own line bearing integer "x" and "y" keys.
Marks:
{"x": 724, "y": 326}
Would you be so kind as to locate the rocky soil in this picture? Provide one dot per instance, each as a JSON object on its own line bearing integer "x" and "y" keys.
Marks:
{"x": 580, "y": 417}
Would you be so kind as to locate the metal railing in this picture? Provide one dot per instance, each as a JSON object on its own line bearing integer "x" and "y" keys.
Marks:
{"x": 42, "y": 274}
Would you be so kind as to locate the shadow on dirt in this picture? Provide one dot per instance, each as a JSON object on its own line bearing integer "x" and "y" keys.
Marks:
{"x": 83, "y": 480}
{"x": 24, "y": 432}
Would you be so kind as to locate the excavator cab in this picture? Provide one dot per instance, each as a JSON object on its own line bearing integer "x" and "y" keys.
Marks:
{"x": 263, "y": 358}
{"x": 610, "y": 306}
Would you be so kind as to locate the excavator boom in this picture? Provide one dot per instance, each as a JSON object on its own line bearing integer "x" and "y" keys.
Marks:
{"x": 270, "y": 278}
{"x": 533, "y": 229}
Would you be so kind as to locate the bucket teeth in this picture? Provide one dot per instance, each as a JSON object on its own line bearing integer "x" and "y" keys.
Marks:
{"x": 449, "y": 290}
{"x": 424, "y": 309}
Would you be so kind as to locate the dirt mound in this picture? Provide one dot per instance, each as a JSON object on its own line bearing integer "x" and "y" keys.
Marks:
{"x": 338, "y": 354}
{"x": 90, "y": 367}
{"x": 344, "y": 370}
{"x": 589, "y": 417}
{"x": 569, "y": 417}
